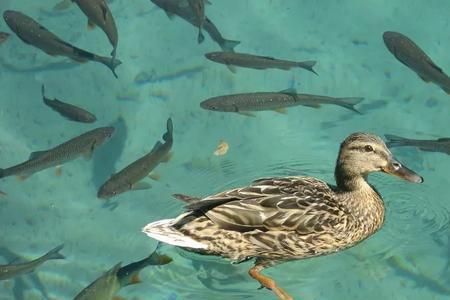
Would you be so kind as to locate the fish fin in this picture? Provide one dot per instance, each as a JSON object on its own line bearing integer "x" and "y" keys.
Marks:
{"x": 394, "y": 140}
{"x": 228, "y": 45}
{"x": 246, "y": 113}
{"x": 88, "y": 155}
{"x": 170, "y": 15}
{"x": 22, "y": 177}
{"x": 289, "y": 91}
{"x": 3, "y": 194}
{"x": 349, "y": 103}
{"x": 232, "y": 68}
{"x": 37, "y": 154}
{"x": 307, "y": 65}
{"x": 110, "y": 204}
{"x": 135, "y": 279}
{"x": 200, "y": 37}
{"x": 167, "y": 157}
{"x": 281, "y": 110}
{"x": 54, "y": 253}
{"x": 141, "y": 186}
{"x": 313, "y": 105}
{"x": 424, "y": 78}
{"x": 168, "y": 136}
{"x": 159, "y": 259}
{"x": 58, "y": 171}
{"x": 91, "y": 25}
{"x": 154, "y": 176}
{"x": 186, "y": 198}
{"x": 62, "y": 5}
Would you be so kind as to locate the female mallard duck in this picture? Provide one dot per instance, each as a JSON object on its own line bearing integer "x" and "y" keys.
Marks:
{"x": 286, "y": 218}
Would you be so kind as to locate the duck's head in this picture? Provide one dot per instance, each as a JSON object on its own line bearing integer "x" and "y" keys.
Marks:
{"x": 364, "y": 153}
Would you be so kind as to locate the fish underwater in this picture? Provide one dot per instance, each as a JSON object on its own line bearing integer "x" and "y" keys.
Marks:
{"x": 22, "y": 286}
{"x": 261, "y": 101}
{"x": 412, "y": 56}
{"x": 98, "y": 13}
{"x": 257, "y": 62}
{"x": 198, "y": 8}
{"x": 178, "y": 7}
{"x": 13, "y": 270}
{"x": 107, "y": 285}
{"x": 129, "y": 178}
{"x": 439, "y": 145}
{"x": 84, "y": 144}
{"x": 33, "y": 33}
{"x": 69, "y": 111}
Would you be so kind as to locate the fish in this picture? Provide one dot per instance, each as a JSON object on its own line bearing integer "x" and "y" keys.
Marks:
{"x": 3, "y": 194}
{"x": 278, "y": 101}
{"x": 198, "y": 8}
{"x": 129, "y": 178}
{"x": 3, "y": 36}
{"x": 67, "y": 110}
{"x": 105, "y": 159}
{"x": 35, "y": 34}
{"x": 21, "y": 286}
{"x": 13, "y": 270}
{"x": 99, "y": 14}
{"x": 84, "y": 144}
{"x": 438, "y": 145}
{"x": 177, "y": 7}
{"x": 107, "y": 285}
{"x": 412, "y": 56}
{"x": 144, "y": 77}
{"x": 257, "y": 62}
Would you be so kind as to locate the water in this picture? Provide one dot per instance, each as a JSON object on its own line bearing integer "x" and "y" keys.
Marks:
{"x": 407, "y": 259}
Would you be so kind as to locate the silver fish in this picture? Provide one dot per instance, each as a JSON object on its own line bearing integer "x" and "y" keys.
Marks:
{"x": 412, "y": 56}
{"x": 129, "y": 178}
{"x": 33, "y": 33}
{"x": 261, "y": 101}
{"x": 69, "y": 111}
{"x": 98, "y": 13}
{"x": 107, "y": 285}
{"x": 13, "y": 270}
{"x": 84, "y": 144}
{"x": 257, "y": 62}
{"x": 177, "y": 7}
{"x": 21, "y": 286}
{"x": 439, "y": 145}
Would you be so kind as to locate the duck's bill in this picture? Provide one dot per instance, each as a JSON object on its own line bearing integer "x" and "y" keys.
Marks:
{"x": 395, "y": 168}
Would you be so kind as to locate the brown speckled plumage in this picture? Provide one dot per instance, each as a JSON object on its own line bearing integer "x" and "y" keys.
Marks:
{"x": 285, "y": 218}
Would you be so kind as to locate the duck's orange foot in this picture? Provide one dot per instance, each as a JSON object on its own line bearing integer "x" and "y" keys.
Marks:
{"x": 269, "y": 283}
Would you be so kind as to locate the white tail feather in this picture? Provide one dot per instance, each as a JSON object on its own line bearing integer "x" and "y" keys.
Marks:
{"x": 163, "y": 231}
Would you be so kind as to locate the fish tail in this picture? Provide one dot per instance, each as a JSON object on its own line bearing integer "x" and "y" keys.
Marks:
{"x": 111, "y": 63}
{"x": 308, "y": 65}
{"x": 54, "y": 253}
{"x": 157, "y": 259}
{"x": 349, "y": 103}
{"x": 168, "y": 135}
{"x": 228, "y": 45}
{"x": 395, "y": 140}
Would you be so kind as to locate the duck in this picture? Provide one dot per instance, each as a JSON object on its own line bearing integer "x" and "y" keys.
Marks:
{"x": 279, "y": 219}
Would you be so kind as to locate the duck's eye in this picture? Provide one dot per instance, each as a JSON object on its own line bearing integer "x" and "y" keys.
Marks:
{"x": 368, "y": 148}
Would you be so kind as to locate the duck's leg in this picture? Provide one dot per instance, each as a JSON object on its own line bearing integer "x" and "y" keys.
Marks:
{"x": 268, "y": 282}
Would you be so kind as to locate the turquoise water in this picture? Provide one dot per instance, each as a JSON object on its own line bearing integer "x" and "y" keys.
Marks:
{"x": 407, "y": 259}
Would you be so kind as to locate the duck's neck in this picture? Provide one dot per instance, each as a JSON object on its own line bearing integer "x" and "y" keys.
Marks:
{"x": 363, "y": 202}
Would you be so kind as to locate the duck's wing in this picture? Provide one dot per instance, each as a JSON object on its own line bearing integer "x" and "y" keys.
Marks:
{"x": 302, "y": 204}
